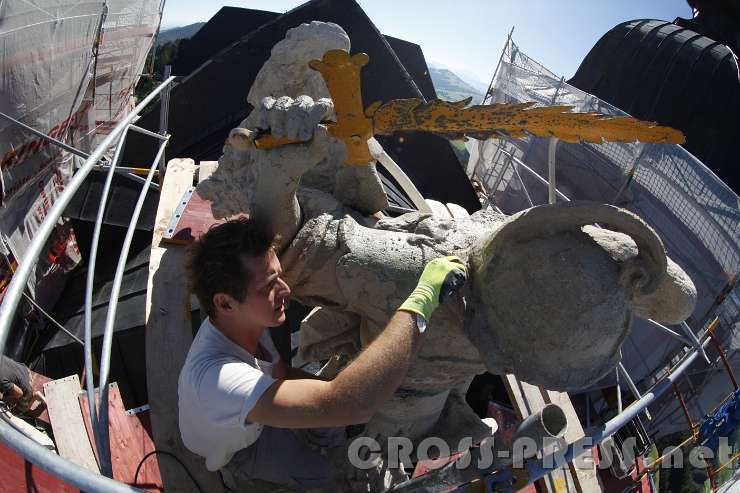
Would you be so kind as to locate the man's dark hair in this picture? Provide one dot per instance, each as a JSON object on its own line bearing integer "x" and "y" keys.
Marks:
{"x": 215, "y": 261}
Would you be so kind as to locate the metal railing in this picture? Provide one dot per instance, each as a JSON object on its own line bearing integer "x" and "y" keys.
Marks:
{"x": 502, "y": 480}
{"x": 73, "y": 474}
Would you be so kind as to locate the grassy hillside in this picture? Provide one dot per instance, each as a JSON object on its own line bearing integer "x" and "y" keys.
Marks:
{"x": 450, "y": 87}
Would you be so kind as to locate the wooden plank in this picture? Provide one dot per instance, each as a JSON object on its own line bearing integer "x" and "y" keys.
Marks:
{"x": 20, "y": 475}
{"x": 38, "y": 410}
{"x": 528, "y": 399}
{"x": 586, "y": 480}
{"x": 168, "y": 338}
{"x": 131, "y": 442}
{"x": 67, "y": 423}
{"x": 194, "y": 220}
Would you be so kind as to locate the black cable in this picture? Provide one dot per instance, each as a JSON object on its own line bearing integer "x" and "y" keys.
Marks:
{"x": 141, "y": 462}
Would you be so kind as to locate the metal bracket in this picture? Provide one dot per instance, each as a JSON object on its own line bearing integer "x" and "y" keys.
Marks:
{"x": 177, "y": 215}
{"x": 137, "y": 410}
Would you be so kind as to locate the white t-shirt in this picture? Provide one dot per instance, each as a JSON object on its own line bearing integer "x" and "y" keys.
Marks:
{"x": 219, "y": 385}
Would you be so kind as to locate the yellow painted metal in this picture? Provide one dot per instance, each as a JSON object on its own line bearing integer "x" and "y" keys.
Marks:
{"x": 341, "y": 73}
{"x": 354, "y": 127}
{"x": 270, "y": 142}
{"x": 456, "y": 119}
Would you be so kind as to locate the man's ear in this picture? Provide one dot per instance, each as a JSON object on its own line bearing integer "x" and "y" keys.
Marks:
{"x": 222, "y": 302}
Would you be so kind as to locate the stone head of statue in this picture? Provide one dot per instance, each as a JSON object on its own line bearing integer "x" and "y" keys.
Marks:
{"x": 553, "y": 298}
{"x": 286, "y": 72}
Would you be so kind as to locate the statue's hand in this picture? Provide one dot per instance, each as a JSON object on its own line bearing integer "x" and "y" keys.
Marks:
{"x": 296, "y": 119}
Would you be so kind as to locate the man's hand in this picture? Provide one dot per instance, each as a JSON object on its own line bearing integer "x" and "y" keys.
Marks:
{"x": 441, "y": 278}
{"x": 15, "y": 399}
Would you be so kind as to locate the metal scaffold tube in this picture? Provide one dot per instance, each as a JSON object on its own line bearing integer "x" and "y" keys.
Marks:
{"x": 111, "y": 319}
{"x": 43, "y": 458}
{"x": 547, "y": 464}
{"x": 89, "y": 376}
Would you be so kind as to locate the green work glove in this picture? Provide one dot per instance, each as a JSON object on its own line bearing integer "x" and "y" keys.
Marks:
{"x": 440, "y": 279}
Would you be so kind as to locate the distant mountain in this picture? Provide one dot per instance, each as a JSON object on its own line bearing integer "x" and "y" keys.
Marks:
{"x": 451, "y": 87}
{"x": 175, "y": 33}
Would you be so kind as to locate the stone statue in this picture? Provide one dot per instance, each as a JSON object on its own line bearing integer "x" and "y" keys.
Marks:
{"x": 550, "y": 295}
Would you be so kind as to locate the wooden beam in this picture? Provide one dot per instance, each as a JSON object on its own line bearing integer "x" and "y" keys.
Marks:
{"x": 67, "y": 423}
{"x": 168, "y": 339}
{"x": 132, "y": 443}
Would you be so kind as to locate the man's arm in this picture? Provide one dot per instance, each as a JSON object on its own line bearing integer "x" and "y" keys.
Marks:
{"x": 283, "y": 371}
{"x": 364, "y": 385}
{"x": 355, "y": 394}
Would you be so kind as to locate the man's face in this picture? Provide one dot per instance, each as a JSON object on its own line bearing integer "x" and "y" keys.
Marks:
{"x": 267, "y": 293}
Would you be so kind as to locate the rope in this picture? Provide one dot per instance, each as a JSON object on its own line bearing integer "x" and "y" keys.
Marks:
{"x": 170, "y": 454}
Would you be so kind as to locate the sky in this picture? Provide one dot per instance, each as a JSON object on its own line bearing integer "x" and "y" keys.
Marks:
{"x": 467, "y": 36}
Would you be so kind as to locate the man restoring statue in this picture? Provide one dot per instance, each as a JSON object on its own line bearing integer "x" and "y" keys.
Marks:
{"x": 550, "y": 293}
{"x": 239, "y": 400}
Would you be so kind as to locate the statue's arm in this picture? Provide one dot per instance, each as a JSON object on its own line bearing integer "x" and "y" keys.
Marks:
{"x": 278, "y": 171}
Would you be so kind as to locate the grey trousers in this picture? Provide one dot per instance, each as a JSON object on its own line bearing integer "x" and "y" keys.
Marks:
{"x": 280, "y": 461}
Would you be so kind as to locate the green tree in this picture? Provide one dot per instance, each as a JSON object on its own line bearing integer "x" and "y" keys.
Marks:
{"x": 164, "y": 54}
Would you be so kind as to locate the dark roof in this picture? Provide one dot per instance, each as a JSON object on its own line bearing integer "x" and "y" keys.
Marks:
{"x": 413, "y": 60}
{"x": 223, "y": 29}
{"x": 70, "y": 309}
{"x": 122, "y": 198}
{"x": 658, "y": 71}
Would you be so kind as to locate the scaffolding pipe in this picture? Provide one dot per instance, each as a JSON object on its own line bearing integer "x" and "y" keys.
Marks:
{"x": 620, "y": 408}
{"x": 35, "y": 453}
{"x": 670, "y": 332}
{"x": 495, "y": 71}
{"x": 694, "y": 433}
{"x": 125, "y": 169}
{"x": 500, "y": 176}
{"x": 78, "y": 152}
{"x": 535, "y": 174}
{"x": 632, "y": 387}
{"x": 51, "y": 319}
{"x": 105, "y": 464}
{"x": 144, "y": 131}
{"x": 398, "y": 174}
{"x": 695, "y": 341}
{"x": 538, "y": 469}
{"x": 111, "y": 318}
{"x": 42, "y": 135}
{"x": 524, "y": 187}
{"x": 723, "y": 356}
{"x": 164, "y": 115}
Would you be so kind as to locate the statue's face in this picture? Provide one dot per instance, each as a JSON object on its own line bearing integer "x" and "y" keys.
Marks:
{"x": 556, "y": 313}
